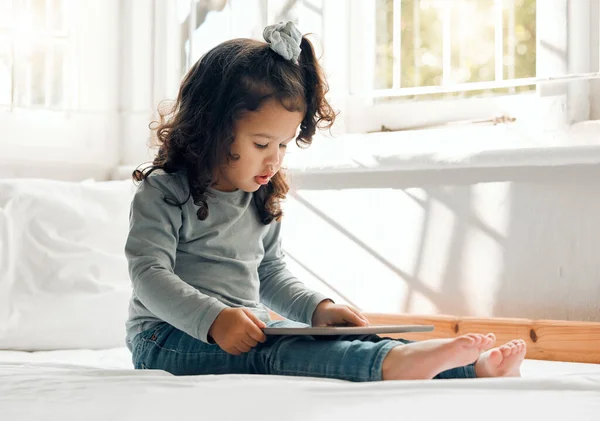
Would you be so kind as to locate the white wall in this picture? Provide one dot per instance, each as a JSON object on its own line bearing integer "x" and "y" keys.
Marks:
{"x": 525, "y": 245}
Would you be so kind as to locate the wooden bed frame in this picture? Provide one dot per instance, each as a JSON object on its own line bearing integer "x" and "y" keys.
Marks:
{"x": 554, "y": 340}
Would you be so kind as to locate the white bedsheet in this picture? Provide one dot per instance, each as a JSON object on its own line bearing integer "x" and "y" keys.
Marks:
{"x": 100, "y": 385}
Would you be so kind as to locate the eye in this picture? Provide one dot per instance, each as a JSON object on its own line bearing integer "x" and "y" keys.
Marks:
{"x": 259, "y": 146}
{"x": 283, "y": 145}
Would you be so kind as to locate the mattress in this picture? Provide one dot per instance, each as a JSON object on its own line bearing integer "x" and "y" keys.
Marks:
{"x": 101, "y": 385}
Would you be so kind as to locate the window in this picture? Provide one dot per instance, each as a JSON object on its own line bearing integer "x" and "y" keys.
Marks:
{"x": 58, "y": 80}
{"x": 418, "y": 63}
{"x": 34, "y": 54}
{"x": 442, "y": 43}
{"x": 404, "y": 64}
{"x": 204, "y": 24}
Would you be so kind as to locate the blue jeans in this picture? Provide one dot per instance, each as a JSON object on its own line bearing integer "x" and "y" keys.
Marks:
{"x": 353, "y": 358}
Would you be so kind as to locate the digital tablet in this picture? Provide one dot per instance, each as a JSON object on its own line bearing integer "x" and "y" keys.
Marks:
{"x": 346, "y": 330}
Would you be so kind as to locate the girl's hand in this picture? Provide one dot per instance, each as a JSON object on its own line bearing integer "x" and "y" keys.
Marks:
{"x": 329, "y": 314}
{"x": 237, "y": 330}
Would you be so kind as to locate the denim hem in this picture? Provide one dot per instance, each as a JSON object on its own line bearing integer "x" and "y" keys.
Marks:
{"x": 377, "y": 367}
{"x": 463, "y": 372}
{"x": 470, "y": 371}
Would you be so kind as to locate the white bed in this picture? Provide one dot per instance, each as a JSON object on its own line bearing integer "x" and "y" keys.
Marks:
{"x": 101, "y": 385}
{"x": 64, "y": 285}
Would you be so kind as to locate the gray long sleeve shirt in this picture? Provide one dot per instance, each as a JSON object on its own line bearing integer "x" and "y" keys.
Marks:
{"x": 185, "y": 271}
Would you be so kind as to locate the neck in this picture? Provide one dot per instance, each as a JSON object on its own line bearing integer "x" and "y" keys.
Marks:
{"x": 221, "y": 186}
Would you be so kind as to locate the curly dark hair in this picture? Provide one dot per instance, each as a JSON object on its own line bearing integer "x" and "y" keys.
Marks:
{"x": 237, "y": 76}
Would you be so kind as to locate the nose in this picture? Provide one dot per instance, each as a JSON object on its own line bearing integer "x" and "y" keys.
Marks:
{"x": 273, "y": 158}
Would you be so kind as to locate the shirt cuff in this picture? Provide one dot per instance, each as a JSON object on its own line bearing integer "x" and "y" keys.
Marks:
{"x": 207, "y": 318}
{"x": 315, "y": 300}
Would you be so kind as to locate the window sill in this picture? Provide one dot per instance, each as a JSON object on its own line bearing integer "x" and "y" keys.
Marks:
{"x": 466, "y": 154}
{"x": 448, "y": 156}
{"x": 448, "y": 148}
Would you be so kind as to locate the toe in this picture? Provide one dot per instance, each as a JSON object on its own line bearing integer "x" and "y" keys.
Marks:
{"x": 505, "y": 349}
{"x": 495, "y": 357}
{"x": 466, "y": 340}
{"x": 519, "y": 345}
{"x": 475, "y": 339}
{"x": 522, "y": 346}
{"x": 486, "y": 344}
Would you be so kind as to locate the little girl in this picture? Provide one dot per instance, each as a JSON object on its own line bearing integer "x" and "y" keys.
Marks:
{"x": 204, "y": 247}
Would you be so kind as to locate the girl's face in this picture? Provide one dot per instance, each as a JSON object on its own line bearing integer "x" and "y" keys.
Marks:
{"x": 261, "y": 138}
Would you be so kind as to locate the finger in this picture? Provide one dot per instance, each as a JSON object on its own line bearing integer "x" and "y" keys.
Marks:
{"x": 233, "y": 351}
{"x": 242, "y": 347}
{"x": 353, "y": 318}
{"x": 359, "y": 314}
{"x": 254, "y": 319}
{"x": 256, "y": 334}
{"x": 250, "y": 342}
{"x": 255, "y": 331}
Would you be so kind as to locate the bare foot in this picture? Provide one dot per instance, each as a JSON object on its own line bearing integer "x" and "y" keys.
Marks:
{"x": 426, "y": 359}
{"x": 503, "y": 361}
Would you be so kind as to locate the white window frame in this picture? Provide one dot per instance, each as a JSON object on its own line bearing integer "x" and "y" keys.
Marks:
{"x": 595, "y": 60}
{"x": 86, "y": 132}
{"x": 150, "y": 72}
{"x": 564, "y": 25}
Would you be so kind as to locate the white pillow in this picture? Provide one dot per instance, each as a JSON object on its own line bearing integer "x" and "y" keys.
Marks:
{"x": 63, "y": 273}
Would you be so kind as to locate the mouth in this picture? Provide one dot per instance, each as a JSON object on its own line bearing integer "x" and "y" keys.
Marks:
{"x": 264, "y": 178}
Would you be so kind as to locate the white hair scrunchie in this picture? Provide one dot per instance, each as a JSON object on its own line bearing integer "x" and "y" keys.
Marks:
{"x": 284, "y": 39}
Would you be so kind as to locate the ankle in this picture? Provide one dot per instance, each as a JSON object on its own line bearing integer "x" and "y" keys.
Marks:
{"x": 391, "y": 361}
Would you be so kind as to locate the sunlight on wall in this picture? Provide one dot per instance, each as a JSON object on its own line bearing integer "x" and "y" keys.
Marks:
{"x": 489, "y": 249}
